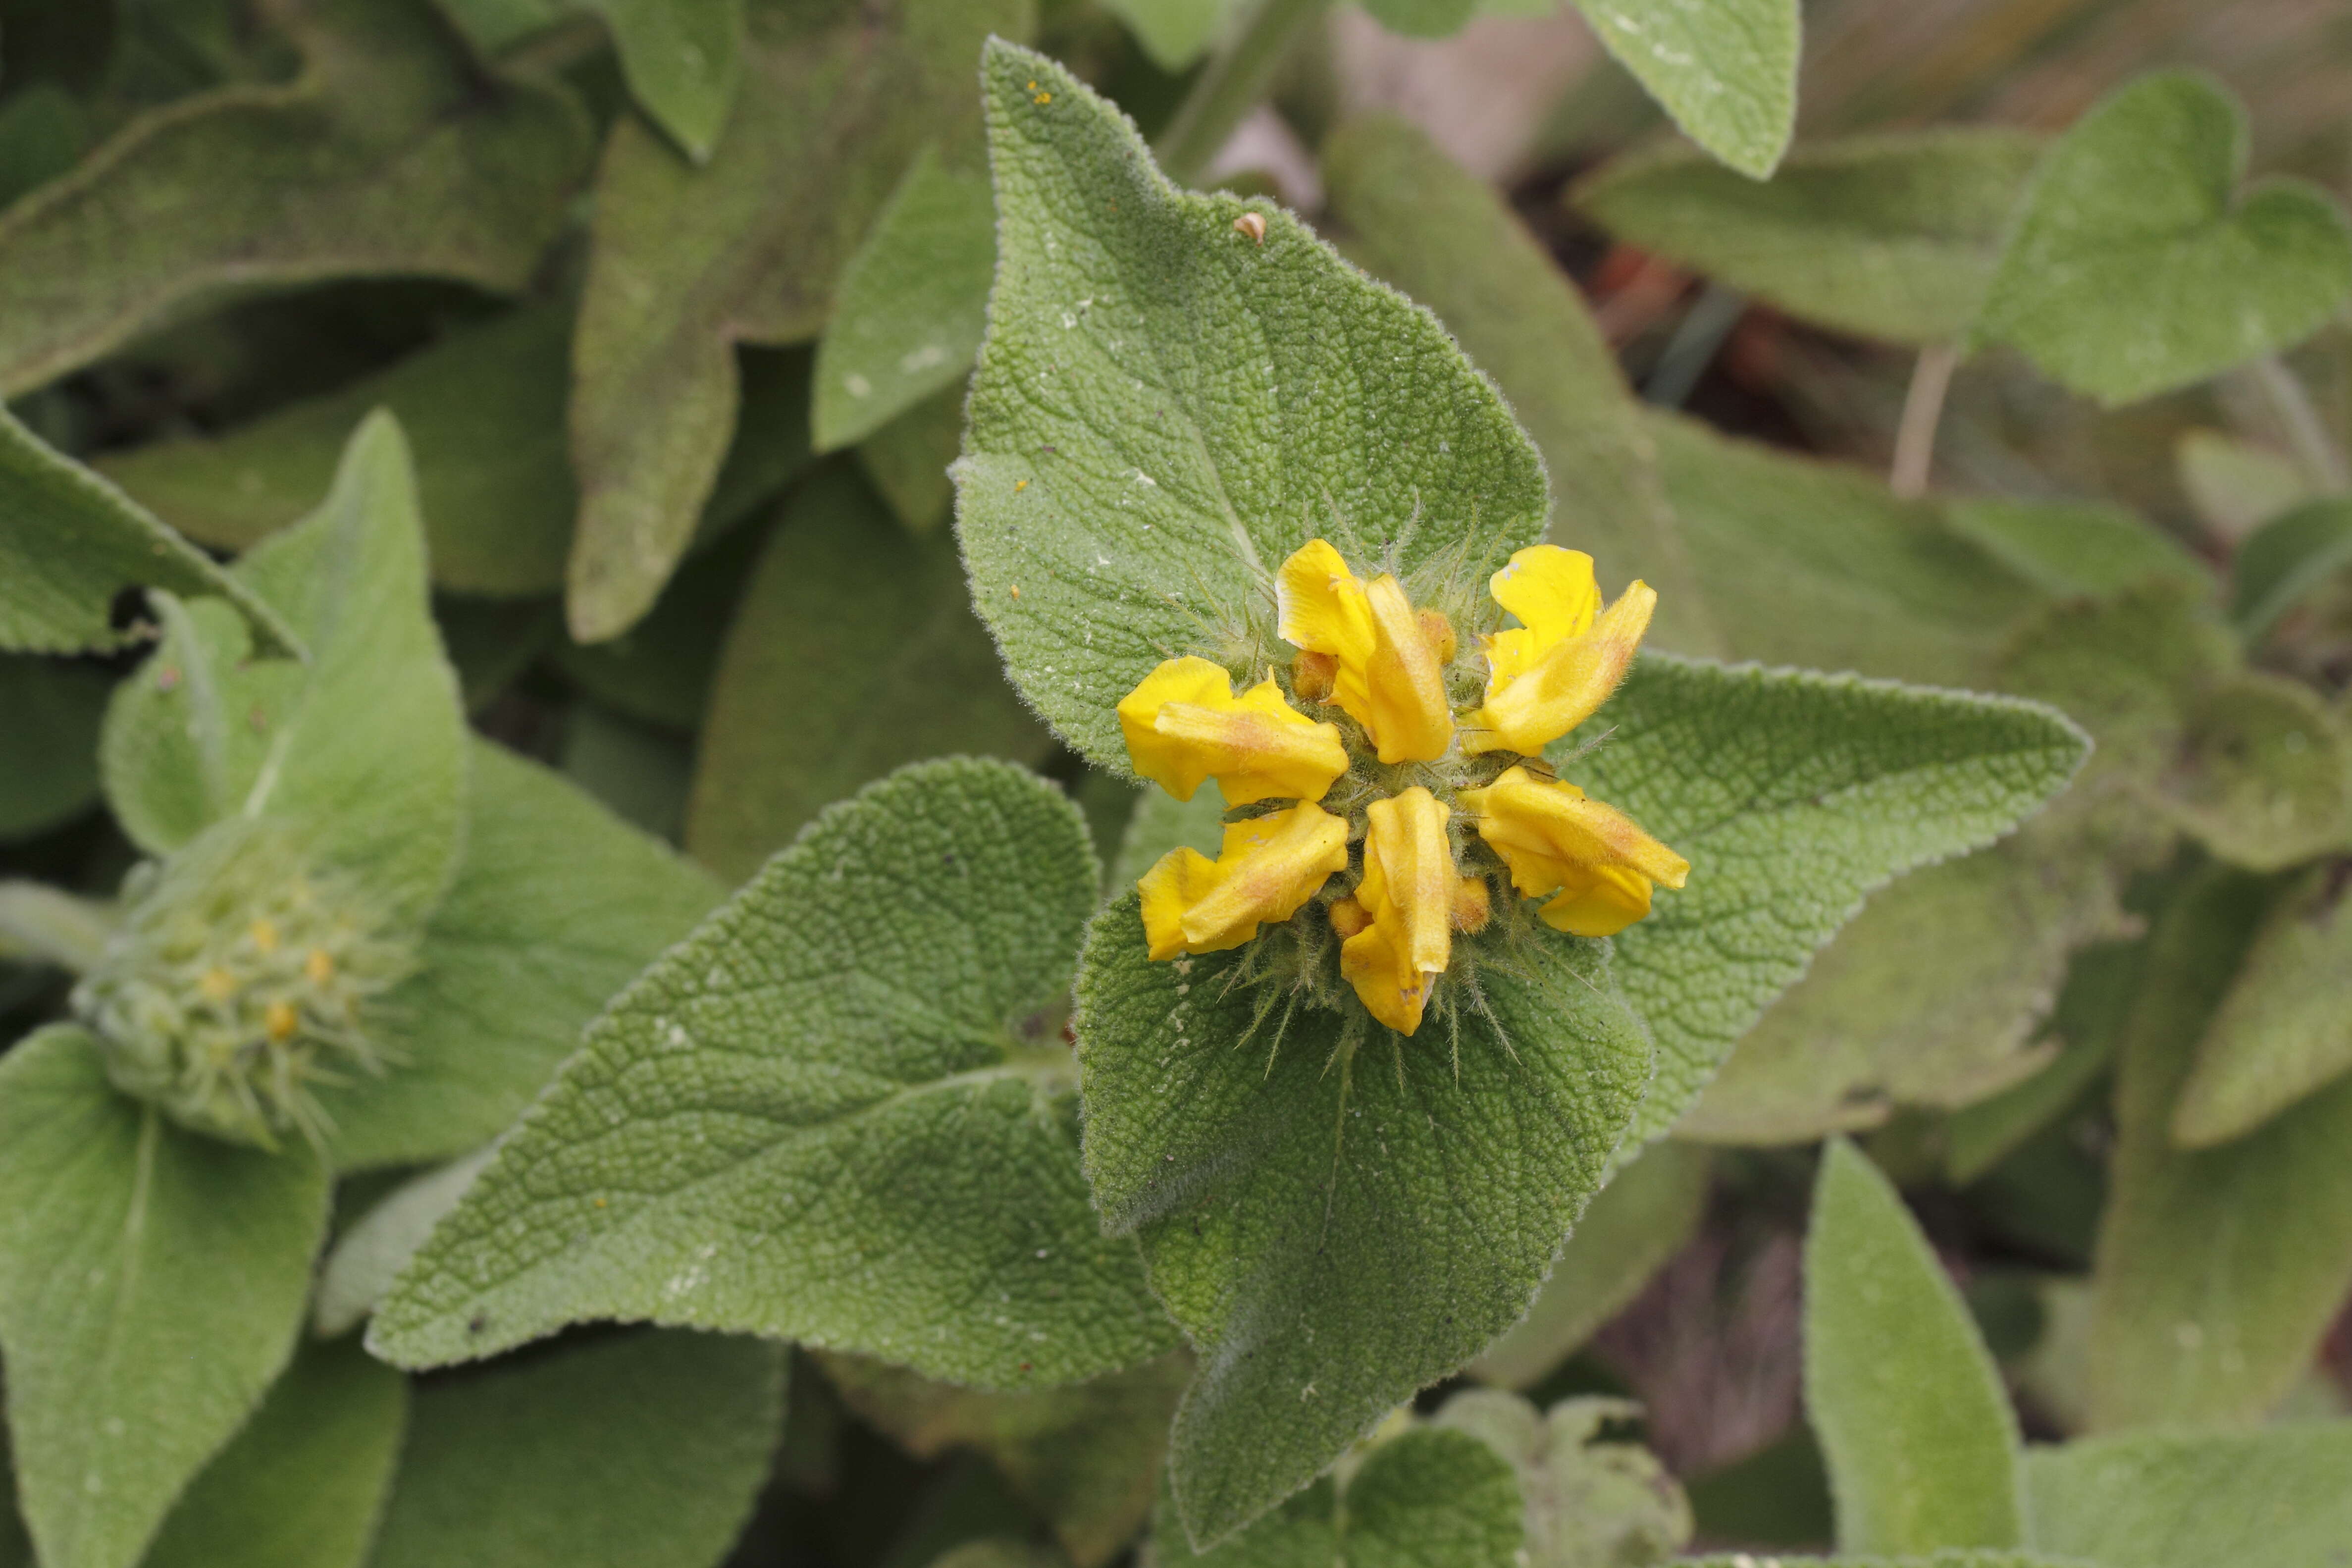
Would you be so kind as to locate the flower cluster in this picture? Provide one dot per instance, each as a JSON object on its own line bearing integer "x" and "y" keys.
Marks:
{"x": 1388, "y": 756}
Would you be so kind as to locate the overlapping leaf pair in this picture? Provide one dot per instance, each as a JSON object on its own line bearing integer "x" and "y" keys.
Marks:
{"x": 1412, "y": 769}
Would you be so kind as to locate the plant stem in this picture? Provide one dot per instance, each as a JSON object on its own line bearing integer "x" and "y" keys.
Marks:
{"x": 1923, "y": 410}
{"x": 1697, "y": 339}
{"x": 2321, "y": 457}
{"x": 1232, "y": 84}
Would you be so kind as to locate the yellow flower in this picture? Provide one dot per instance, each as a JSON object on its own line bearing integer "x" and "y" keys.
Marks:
{"x": 1548, "y": 674}
{"x": 1592, "y": 855}
{"x": 1268, "y": 868}
{"x": 1407, "y": 900}
{"x": 1389, "y": 659}
{"x": 1185, "y": 724}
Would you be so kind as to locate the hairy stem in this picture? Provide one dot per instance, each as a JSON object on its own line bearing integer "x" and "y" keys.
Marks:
{"x": 1923, "y": 410}
{"x": 1233, "y": 83}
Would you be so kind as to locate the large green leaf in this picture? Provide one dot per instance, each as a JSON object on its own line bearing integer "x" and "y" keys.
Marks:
{"x": 2218, "y": 1270}
{"x": 369, "y": 1252}
{"x": 2135, "y": 268}
{"x": 151, "y": 1282}
{"x": 365, "y": 744}
{"x": 2286, "y": 560}
{"x": 1415, "y": 218}
{"x": 484, "y": 408}
{"x": 1930, "y": 997}
{"x": 681, "y": 57}
{"x": 1892, "y": 236}
{"x": 1166, "y": 408}
{"x": 70, "y": 541}
{"x": 911, "y": 305}
{"x": 2197, "y": 1499}
{"x": 1431, "y": 1494}
{"x": 2283, "y": 1031}
{"x": 1643, "y": 1218}
{"x": 837, "y": 1112}
{"x": 2084, "y": 1023}
{"x": 1329, "y": 1225}
{"x": 558, "y": 904}
{"x": 1793, "y": 797}
{"x": 1086, "y": 1457}
{"x": 687, "y": 262}
{"x": 1818, "y": 564}
{"x": 2070, "y": 548}
{"x": 50, "y": 740}
{"x": 303, "y": 1484}
{"x": 1588, "y": 1502}
{"x": 854, "y": 651}
{"x": 645, "y": 1450}
{"x": 2263, "y": 773}
{"x": 1727, "y": 71}
{"x": 1913, "y": 1420}
{"x": 389, "y": 154}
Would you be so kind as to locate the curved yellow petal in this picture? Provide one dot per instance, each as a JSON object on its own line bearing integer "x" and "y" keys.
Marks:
{"x": 1388, "y": 659}
{"x": 1183, "y": 724}
{"x": 1562, "y": 685}
{"x": 1410, "y": 719}
{"x": 1554, "y": 839}
{"x": 1268, "y": 868}
{"x": 1555, "y": 595}
{"x": 1409, "y": 890}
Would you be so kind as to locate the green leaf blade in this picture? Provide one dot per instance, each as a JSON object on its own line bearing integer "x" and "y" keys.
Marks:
{"x": 1165, "y": 409}
{"x": 2184, "y": 1500}
{"x": 1914, "y": 1422}
{"x": 1332, "y": 1234}
{"x": 860, "y": 1040}
{"x": 1726, "y": 72}
{"x": 152, "y": 1285}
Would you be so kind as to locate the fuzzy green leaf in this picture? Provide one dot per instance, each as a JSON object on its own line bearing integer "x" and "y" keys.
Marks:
{"x": 836, "y": 1113}
{"x": 1913, "y": 1420}
{"x": 557, "y": 905}
{"x": 681, "y": 57}
{"x": 911, "y": 305}
{"x": 908, "y": 460}
{"x": 151, "y": 1282}
{"x": 1086, "y": 1458}
{"x": 324, "y": 177}
{"x": 645, "y": 1450}
{"x": 1930, "y": 997}
{"x": 303, "y": 1484}
{"x": 1333, "y": 1234}
{"x": 1588, "y": 1502}
{"x": 1817, "y": 565}
{"x": 2263, "y": 775}
{"x": 2134, "y": 267}
{"x": 365, "y": 744}
{"x": 2195, "y": 1501}
{"x": 2286, "y": 560}
{"x": 2283, "y": 1031}
{"x": 1643, "y": 1218}
{"x": 2202, "y": 1315}
{"x": 41, "y": 924}
{"x": 2085, "y": 1022}
{"x": 1164, "y": 410}
{"x": 1891, "y": 236}
{"x": 70, "y": 541}
{"x": 854, "y": 651}
{"x": 51, "y": 741}
{"x": 484, "y": 408}
{"x": 660, "y": 670}
{"x": 2072, "y": 547}
{"x": 1449, "y": 240}
{"x": 1727, "y": 71}
{"x": 1793, "y": 797}
{"x": 1428, "y": 1496}
{"x": 2235, "y": 485}
{"x": 370, "y": 1253}
{"x": 687, "y": 262}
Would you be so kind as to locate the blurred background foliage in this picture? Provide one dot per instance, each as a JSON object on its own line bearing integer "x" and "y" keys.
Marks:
{"x": 679, "y": 340}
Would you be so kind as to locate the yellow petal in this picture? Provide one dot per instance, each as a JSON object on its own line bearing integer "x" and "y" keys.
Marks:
{"x": 1268, "y": 868}
{"x": 1555, "y": 839}
{"x": 1321, "y": 606}
{"x": 1408, "y": 890}
{"x": 1562, "y": 685}
{"x": 1180, "y": 878}
{"x": 1553, "y": 593}
{"x": 1183, "y": 724}
{"x": 1604, "y": 903}
{"x": 1411, "y": 720}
